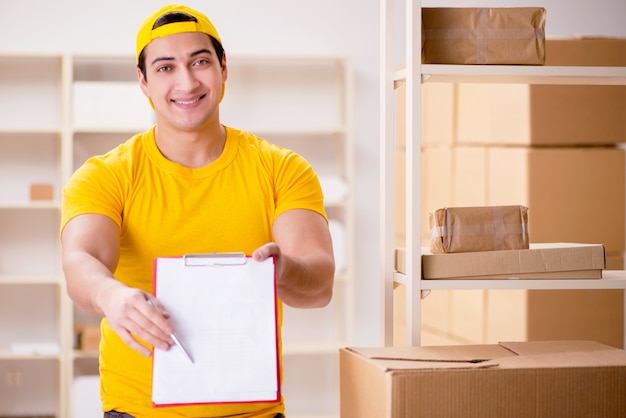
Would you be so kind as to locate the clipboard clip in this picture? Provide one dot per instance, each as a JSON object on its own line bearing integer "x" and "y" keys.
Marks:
{"x": 215, "y": 259}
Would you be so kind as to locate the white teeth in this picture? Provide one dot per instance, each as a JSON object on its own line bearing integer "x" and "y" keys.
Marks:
{"x": 187, "y": 103}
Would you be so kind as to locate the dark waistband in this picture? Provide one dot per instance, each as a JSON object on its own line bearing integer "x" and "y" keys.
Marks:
{"x": 115, "y": 414}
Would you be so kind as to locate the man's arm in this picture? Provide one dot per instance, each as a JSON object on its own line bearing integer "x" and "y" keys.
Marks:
{"x": 305, "y": 265}
{"x": 90, "y": 254}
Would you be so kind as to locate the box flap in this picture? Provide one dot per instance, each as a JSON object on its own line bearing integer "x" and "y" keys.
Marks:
{"x": 435, "y": 357}
{"x": 506, "y": 355}
{"x": 549, "y": 347}
{"x": 574, "y": 359}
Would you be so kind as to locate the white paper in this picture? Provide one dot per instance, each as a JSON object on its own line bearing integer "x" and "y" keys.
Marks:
{"x": 225, "y": 316}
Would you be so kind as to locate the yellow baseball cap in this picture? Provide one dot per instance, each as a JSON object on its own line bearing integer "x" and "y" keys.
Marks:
{"x": 147, "y": 32}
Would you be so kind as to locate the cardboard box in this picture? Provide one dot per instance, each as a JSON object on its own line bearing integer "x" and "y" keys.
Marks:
{"x": 575, "y": 194}
{"x": 88, "y": 336}
{"x": 563, "y": 187}
{"x": 437, "y": 107}
{"x": 541, "y": 379}
{"x": 42, "y": 191}
{"x": 462, "y": 35}
{"x": 540, "y": 261}
{"x": 478, "y": 228}
{"x": 521, "y": 114}
{"x": 567, "y": 314}
{"x": 522, "y": 379}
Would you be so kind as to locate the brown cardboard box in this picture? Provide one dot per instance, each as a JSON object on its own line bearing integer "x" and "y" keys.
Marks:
{"x": 561, "y": 187}
{"x": 41, "y": 191}
{"x": 478, "y": 228}
{"x": 88, "y": 336}
{"x": 573, "y": 194}
{"x": 563, "y": 314}
{"x": 460, "y": 35}
{"x": 540, "y": 261}
{"x": 438, "y": 104}
{"x": 525, "y": 379}
{"x": 520, "y": 114}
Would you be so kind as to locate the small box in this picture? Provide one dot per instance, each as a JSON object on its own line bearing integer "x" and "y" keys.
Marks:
{"x": 41, "y": 191}
{"x": 540, "y": 261}
{"x": 88, "y": 337}
{"x": 464, "y": 35}
{"x": 547, "y": 379}
{"x": 479, "y": 228}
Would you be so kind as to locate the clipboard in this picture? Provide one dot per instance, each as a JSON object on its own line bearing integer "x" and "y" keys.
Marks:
{"x": 224, "y": 307}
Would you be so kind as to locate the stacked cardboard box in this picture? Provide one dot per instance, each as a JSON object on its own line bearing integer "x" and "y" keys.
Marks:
{"x": 553, "y": 149}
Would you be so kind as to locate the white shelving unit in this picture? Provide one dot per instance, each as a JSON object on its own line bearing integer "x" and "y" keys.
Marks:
{"x": 86, "y": 105}
{"x": 414, "y": 75}
{"x": 30, "y": 280}
{"x": 304, "y": 103}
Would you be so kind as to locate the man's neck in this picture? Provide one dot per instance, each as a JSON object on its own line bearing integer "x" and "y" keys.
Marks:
{"x": 191, "y": 149}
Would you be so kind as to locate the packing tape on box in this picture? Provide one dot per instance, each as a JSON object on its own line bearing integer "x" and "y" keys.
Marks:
{"x": 482, "y": 37}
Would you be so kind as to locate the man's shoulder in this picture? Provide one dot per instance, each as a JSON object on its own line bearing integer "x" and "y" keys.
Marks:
{"x": 253, "y": 142}
{"x": 126, "y": 151}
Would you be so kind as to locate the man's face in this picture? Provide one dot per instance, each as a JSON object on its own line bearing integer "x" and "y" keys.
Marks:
{"x": 185, "y": 80}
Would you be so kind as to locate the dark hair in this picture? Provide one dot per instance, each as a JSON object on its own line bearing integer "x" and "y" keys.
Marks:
{"x": 175, "y": 17}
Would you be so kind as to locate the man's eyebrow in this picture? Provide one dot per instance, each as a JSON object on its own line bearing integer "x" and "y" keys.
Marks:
{"x": 157, "y": 59}
{"x": 193, "y": 54}
{"x": 201, "y": 51}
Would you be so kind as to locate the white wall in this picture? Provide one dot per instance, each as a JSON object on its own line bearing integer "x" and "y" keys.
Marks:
{"x": 349, "y": 27}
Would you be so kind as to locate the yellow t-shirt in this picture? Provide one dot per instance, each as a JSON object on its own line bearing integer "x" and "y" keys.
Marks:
{"x": 165, "y": 209}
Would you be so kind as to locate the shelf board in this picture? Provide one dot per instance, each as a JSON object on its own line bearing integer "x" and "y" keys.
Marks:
{"x": 82, "y": 354}
{"x": 314, "y": 348}
{"x": 6, "y": 354}
{"x": 519, "y": 74}
{"x": 39, "y": 204}
{"x": 29, "y": 130}
{"x": 337, "y": 203}
{"x": 612, "y": 279}
{"x": 29, "y": 279}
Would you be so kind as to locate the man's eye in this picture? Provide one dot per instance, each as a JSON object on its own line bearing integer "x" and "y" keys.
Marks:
{"x": 163, "y": 68}
{"x": 201, "y": 61}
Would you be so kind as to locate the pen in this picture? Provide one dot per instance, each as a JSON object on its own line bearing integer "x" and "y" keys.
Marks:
{"x": 174, "y": 337}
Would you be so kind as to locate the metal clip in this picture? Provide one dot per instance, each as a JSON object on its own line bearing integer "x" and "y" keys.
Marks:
{"x": 215, "y": 259}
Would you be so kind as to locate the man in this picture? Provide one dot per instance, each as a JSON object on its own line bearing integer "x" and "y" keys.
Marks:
{"x": 188, "y": 185}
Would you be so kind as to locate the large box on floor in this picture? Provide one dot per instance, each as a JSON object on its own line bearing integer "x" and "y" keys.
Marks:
{"x": 521, "y": 114}
{"x": 521, "y": 379}
{"x": 465, "y": 35}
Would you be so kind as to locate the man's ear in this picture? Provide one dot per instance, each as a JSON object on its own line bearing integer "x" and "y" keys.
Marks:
{"x": 142, "y": 83}
{"x": 224, "y": 69}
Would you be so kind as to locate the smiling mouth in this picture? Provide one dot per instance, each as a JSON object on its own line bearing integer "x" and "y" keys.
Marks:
{"x": 188, "y": 102}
